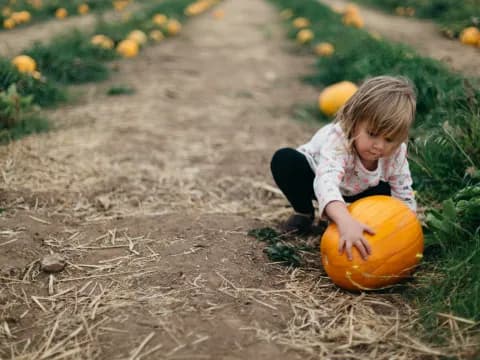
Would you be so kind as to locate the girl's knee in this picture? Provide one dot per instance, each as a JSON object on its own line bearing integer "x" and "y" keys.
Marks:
{"x": 282, "y": 158}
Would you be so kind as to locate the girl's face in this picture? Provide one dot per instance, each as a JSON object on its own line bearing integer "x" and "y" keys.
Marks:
{"x": 371, "y": 146}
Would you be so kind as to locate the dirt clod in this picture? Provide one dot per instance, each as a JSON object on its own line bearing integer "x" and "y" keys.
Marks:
{"x": 52, "y": 263}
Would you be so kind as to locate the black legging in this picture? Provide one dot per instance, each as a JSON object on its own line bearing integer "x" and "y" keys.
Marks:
{"x": 294, "y": 176}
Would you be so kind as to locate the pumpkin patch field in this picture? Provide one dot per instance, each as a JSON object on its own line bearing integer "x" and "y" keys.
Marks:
{"x": 138, "y": 215}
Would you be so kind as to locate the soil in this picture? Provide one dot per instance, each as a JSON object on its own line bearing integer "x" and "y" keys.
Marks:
{"x": 150, "y": 198}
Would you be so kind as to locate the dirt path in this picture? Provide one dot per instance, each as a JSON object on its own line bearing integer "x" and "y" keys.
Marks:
{"x": 422, "y": 35}
{"x": 150, "y": 198}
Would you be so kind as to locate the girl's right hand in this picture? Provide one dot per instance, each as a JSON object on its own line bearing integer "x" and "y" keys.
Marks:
{"x": 351, "y": 234}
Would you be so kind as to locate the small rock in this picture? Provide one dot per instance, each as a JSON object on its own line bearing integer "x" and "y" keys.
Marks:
{"x": 52, "y": 263}
{"x": 104, "y": 202}
{"x": 171, "y": 94}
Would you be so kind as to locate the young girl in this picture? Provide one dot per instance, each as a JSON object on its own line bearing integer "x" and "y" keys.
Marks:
{"x": 362, "y": 153}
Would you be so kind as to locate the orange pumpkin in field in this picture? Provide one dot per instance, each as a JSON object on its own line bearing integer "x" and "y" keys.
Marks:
{"x": 397, "y": 245}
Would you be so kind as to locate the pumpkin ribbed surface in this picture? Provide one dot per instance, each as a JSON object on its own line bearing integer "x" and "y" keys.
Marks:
{"x": 397, "y": 245}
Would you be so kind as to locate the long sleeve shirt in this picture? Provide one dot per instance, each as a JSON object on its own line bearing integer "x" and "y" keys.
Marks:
{"x": 339, "y": 172}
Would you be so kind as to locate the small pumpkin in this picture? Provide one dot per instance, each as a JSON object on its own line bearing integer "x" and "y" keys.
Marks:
{"x": 61, "y": 13}
{"x": 24, "y": 64}
{"x": 301, "y": 22}
{"x": 127, "y": 48}
{"x": 470, "y": 35}
{"x": 102, "y": 41}
{"x": 120, "y": 5}
{"x": 138, "y": 36}
{"x": 21, "y": 17}
{"x": 334, "y": 96}
{"x": 159, "y": 19}
{"x": 305, "y": 36}
{"x": 193, "y": 9}
{"x": 351, "y": 8}
{"x": 156, "y": 35}
{"x": 83, "y": 9}
{"x": 9, "y": 23}
{"x": 353, "y": 19}
{"x": 397, "y": 245}
{"x": 173, "y": 27}
{"x": 324, "y": 49}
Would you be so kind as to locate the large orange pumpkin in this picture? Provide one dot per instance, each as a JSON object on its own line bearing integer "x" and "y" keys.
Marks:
{"x": 397, "y": 245}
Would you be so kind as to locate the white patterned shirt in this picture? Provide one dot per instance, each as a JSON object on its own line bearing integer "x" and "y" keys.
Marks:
{"x": 339, "y": 172}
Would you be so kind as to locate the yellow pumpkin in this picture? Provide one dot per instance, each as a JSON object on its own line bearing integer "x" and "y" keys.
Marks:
{"x": 351, "y": 9}
{"x": 21, "y": 17}
{"x": 127, "y": 48}
{"x": 159, "y": 19}
{"x": 9, "y": 23}
{"x": 102, "y": 41}
{"x": 156, "y": 35}
{"x": 61, "y": 13}
{"x": 173, "y": 27}
{"x": 301, "y": 22}
{"x": 192, "y": 9}
{"x": 353, "y": 19}
{"x": 304, "y": 36}
{"x": 83, "y": 9}
{"x": 24, "y": 64}
{"x": 119, "y": 5}
{"x": 138, "y": 36}
{"x": 324, "y": 49}
{"x": 334, "y": 96}
{"x": 397, "y": 245}
{"x": 470, "y": 35}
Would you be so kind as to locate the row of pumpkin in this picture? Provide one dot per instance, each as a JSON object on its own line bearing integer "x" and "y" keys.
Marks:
{"x": 351, "y": 17}
{"x": 131, "y": 45}
{"x": 13, "y": 18}
{"x": 334, "y": 96}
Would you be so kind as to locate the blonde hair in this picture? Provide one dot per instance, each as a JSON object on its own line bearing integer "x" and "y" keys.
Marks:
{"x": 387, "y": 104}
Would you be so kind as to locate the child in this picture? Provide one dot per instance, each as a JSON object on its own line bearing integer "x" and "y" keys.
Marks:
{"x": 362, "y": 153}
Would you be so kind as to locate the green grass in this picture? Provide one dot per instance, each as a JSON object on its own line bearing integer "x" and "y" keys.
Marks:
{"x": 444, "y": 156}
{"x": 19, "y": 116}
{"x": 120, "y": 90}
{"x": 27, "y": 125}
{"x": 71, "y": 59}
{"x": 279, "y": 248}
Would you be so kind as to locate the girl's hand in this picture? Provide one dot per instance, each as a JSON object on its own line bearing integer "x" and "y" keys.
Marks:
{"x": 351, "y": 234}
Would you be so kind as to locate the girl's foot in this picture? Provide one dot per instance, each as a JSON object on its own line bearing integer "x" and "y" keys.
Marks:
{"x": 298, "y": 224}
